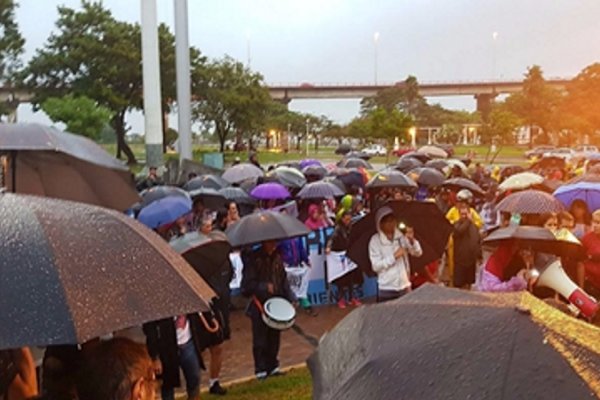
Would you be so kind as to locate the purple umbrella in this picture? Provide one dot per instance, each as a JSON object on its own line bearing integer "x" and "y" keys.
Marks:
{"x": 308, "y": 162}
{"x": 270, "y": 191}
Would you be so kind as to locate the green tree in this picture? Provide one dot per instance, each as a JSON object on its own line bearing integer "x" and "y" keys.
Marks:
{"x": 81, "y": 114}
{"x": 537, "y": 104}
{"x": 229, "y": 99}
{"x": 11, "y": 49}
{"x": 581, "y": 109}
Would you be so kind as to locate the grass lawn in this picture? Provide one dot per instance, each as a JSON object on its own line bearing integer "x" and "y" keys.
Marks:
{"x": 295, "y": 385}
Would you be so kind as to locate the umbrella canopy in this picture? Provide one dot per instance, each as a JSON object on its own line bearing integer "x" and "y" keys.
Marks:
{"x": 242, "y": 172}
{"x": 537, "y": 239}
{"x": 149, "y": 196}
{"x": 442, "y": 343}
{"x": 419, "y": 156}
{"x": 317, "y": 171}
{"x": 439, "y": 164}
{"x": 358, "y": 154}
{"x": 47, "y": 162}
{"x": 427, "y": 176}
{"x": 391, "y": 178}
{"x": 164, "y": 211}
{"x": 263, "y": 226}
{"x": 236, "y": 194}
{"x": 432, "y": 230}
{"x": 550, "y": 162}
{"x": 87, "y": 271}
{"x": 320, "y": 190}
{"x": 270, "y": 191}
{"x": 588, "y": 192}
{"x": 207, "y": 254}
{"x": 288, "y": 177}
{"x": 462, "y": 183}
{"x": 307, "y": 162}
{"x": 530, "y": 202}
{"x": 350, "y": 177}
{"x": 205, "y": 181}
{"x": 211, "y": 198}
{"x": 405, "y": 163}
{"x": 453, "y": 162}
{"x": 343, "y": 148}
{"x": 520, "y": 181}
{"x": 354, "y": 163}
{"x": 433, "y": 152}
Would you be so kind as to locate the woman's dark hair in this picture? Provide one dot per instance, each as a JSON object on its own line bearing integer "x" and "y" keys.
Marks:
{"x": 545, "y": 217}
{"x": 587, "y": 218}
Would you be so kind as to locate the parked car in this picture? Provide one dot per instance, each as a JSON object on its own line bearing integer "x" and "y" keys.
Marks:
{"x": 562, "y": 152}
{"x": 375, "y": 150}
{"x": 539, "y": 151}
{"x": 584, "y": 151}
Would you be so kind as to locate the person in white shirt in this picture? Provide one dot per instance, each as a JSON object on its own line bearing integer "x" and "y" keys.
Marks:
{"x": 389, "y": 250}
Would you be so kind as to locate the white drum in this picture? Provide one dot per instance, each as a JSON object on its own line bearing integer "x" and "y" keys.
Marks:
{"x": 279, "y": 313}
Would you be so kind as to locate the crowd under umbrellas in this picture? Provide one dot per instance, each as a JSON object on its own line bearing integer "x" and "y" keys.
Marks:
{"x": 96, "y": 274}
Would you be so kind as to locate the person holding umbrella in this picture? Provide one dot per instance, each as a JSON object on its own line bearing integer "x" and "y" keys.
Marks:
{"x": 495, "y": 275}
{"x": 389, "y": 249}
{"x": 264, "y": 277}
{"x": 467, "y": 248}
{"x": 591, "y": 244}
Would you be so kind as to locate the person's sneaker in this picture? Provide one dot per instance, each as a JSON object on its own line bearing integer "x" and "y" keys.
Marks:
{"x": 356, "y": 302}
{"x": 261, "y": 376}
{"x": 216, "y": 388}
{"x": 342, "y": 303}
{"x": 276, "y": 372}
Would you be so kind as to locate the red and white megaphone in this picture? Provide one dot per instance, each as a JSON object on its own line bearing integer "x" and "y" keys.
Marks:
{"x": 554, "y": 277}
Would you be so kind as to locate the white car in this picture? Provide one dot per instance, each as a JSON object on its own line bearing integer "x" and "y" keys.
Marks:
{"x": 375, "y": 150}
{"x": 562, "y": 152}
{"x": 584, "y": 151}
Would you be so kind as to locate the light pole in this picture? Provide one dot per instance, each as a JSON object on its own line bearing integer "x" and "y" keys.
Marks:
{"x": 375, "y": 45}
{"x": 495, "y": 38}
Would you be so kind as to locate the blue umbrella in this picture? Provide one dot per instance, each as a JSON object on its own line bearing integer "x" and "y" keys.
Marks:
{"x": 164, "y": 211}
{"x": 588, "y": 192}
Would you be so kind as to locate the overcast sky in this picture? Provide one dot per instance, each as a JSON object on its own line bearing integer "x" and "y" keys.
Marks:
{"x": 318, "y": 41}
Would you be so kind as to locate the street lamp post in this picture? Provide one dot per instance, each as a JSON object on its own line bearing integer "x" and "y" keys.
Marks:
{"x": 495, "y": 38}
{"x": 375, "y": 45}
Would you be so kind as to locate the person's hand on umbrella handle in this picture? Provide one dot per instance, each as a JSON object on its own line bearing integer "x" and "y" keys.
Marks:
{"x": 157, "y": 366}
{"x": 24, "y": 385}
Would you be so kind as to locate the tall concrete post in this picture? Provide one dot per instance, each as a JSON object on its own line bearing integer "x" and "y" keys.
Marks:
{"x": 184, "y": 85}
{"x": 151, "y": 83}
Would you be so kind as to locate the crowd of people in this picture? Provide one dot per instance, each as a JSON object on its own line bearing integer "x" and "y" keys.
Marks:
{"x": 119, "y": 368}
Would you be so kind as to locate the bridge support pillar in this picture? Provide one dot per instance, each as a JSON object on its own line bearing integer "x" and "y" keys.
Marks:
{"x": 484, "y": 104}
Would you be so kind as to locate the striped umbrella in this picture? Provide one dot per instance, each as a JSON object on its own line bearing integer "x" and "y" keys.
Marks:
{"x": 530, "y": 202}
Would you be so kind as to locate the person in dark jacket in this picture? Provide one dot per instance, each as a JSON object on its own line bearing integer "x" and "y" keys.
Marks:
{"x": 264, "y": 277}
{"x": 467, "y": 247}
{"x": 174, "y": 343}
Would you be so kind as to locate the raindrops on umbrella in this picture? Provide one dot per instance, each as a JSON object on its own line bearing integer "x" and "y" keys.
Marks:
{"x": 520, "y": 181}
{"x": 159, "y": 192}
{"x": 530, "y": 202}
{"x": 164, "y": 211}
{"x": 320, "y": 190}
{"x": 241, "y": 172}
{"x": 206, "y": 181}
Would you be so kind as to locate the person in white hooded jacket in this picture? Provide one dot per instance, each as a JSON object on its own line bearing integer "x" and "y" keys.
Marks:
{"x": 389, "y": 250}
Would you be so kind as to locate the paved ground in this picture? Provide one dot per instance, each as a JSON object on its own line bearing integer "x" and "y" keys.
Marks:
{"x": 295, "y": 349}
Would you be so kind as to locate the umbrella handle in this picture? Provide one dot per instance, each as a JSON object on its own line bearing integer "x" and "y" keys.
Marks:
{"x": 209, "y": 328}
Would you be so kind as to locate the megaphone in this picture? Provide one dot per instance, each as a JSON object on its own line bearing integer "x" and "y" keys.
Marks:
{"x": 554, "y": 277}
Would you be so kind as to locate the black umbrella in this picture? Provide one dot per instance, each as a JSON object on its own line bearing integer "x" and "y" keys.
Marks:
{"x": 419, "y": 156}
{"x": 158, "y": 192}
{"x": 350, "y": 178}
{"x": 71, "y": 272}
{"x": 537, "y": 239}
{"x": 317, "y": 171}
{"x": 241, "y": 172}
{"x": 45, "y": 161}
{"x": 262, "y": 226}
{"x": 432, "y": 230}
{"x": 441, "y": 343}
{"x": 391, "y": 178}
{"x": 439, "y": 164}
{"x": 205, "y": 181}
{"x": 430, "y": 177}
{"x": 354, "y": 163}
{"x": 405, "y": 164}
{"x": 210, "y": 198}
{"x": 343, "y": 149}
{"x": 237, "y": 194}
{"x": 463, "y": 183}
{"x": 320, "y": 190}
{"x": 530, "y": 202}
{"x": 207, "y": 254}
{"x": 289, "y": 177}
{"x": 358, "y": 154}
{"x": 549, "y": 162}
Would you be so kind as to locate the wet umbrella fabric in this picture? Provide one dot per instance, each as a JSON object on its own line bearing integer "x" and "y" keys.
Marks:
{"x": 354, "y": 163}
{"x": 317, "y": 171}
{"x": 439, "y": 164}
{"x": 588, "y": 192}
{"x": 263, "y": 226}
{"x": 350, "y": 178}
{"x": 270, "y": 191}
{"x": 308, "y": 162}
{"x": 430, "y": 177}
{"x": 207, "y": 254}
{"x": 164, "y": 211}
{"x": 159, "y": 192}
{"x": 391, "y": 178}
{"x": 405, "y": 164}
{"x": 242, "y": 172}
{"x": 210, "y": 198}
{"x": 288, "y": 177}
{"x": 441, "y": 343}
{"x": 236, "y": 194}
{"x": 537, "y": 239}
{"x": 205, "y": 181}
{"x": 433, "y": 152}
{"x": 463, "y": 183}
{"x": 87, "y": 271}
{"x": 432, "y": 230}
{"x": 47, "y": 162}
{"x": 530, "y": 202}
{"x": 520, "y": 181}
{"x": 320, "y": 190}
